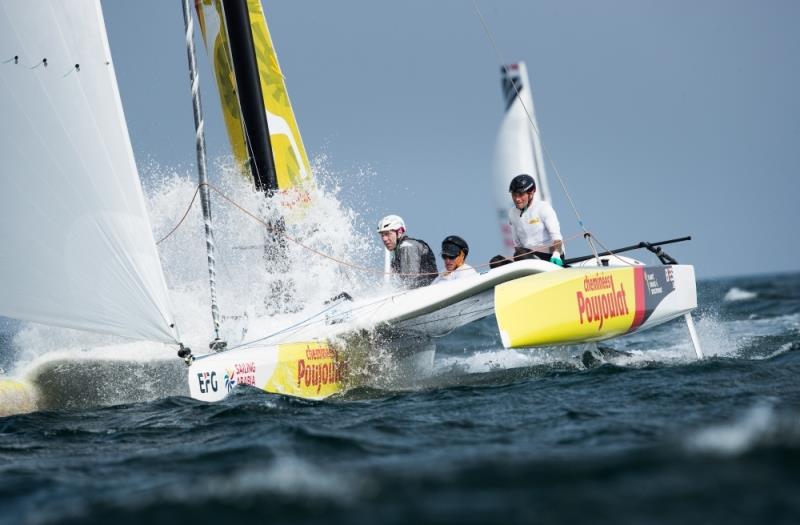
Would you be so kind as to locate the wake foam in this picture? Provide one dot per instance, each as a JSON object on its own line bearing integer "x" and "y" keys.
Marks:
{"x": 670, "y": 343}
{"x": 500, "y": 359}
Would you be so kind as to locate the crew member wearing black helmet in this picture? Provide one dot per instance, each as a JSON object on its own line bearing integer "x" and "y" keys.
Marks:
{"x": 413, "y": 261}
{"x": 534, "y": 223}
{"x": 454, "y": 253}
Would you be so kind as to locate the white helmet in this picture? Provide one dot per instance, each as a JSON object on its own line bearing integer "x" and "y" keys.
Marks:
{"x": 391, "y": 223}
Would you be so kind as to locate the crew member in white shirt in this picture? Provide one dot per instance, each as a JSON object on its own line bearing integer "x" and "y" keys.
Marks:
{"x": 534, "y": 223}
{"x": 454, "y": 254}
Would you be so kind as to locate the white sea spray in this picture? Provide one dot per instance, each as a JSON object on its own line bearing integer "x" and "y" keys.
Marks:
{"x": 337, "y": 254}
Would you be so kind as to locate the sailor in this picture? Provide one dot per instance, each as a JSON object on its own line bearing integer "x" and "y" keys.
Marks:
{"x": 454, "y": 253}
{"x": 535, "y": 228}
{"x": 412, "y": 259}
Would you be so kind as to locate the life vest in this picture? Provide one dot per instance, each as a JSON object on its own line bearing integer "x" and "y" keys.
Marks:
{"x": 410, "y": 249}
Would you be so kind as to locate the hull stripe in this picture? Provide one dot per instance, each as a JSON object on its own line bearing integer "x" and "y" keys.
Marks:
{"x": 638, "y": 279}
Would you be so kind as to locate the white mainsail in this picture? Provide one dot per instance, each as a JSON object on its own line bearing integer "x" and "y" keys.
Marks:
{"x": 518, "y": 148}
{"x": 76, "y": 245}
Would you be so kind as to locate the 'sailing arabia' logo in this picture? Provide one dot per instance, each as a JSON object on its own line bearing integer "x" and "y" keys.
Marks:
{"x": 241, "y": 374}
{"x": 606, "y": 303}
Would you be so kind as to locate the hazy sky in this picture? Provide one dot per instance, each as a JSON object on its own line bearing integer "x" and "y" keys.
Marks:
{"x": 664, "y": 118}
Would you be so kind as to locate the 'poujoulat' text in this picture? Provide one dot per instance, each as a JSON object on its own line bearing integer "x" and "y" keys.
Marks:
{"x": 600, "y": 306}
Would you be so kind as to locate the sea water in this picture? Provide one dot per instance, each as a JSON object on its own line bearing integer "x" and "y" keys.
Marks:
{"x": 492, "y": 436}
{"x": 495, "y": 436}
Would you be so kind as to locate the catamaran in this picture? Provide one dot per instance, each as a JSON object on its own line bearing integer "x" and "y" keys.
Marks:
{"x": 86, "y": 257}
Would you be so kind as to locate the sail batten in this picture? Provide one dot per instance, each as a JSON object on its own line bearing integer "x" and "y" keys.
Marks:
{"x": 76, "y": 245}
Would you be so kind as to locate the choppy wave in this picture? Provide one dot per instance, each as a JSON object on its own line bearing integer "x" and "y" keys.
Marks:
{"x": 760, "y": 425}
{"x": 737, "y": 294}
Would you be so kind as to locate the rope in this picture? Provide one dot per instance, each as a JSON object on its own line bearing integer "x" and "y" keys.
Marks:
{"x": 276, "y": 231}
{"x": 173, "y": 230}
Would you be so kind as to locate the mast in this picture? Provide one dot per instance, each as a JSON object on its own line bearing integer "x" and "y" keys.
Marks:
{"x": 251, "y": 98}
{"x": 205, "y": 197}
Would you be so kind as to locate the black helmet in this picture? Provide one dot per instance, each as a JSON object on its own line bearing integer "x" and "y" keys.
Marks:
{"x": 522, "y": 184}
{"x": 452, "y": 246}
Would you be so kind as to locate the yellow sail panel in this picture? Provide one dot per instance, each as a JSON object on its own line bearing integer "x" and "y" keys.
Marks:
{"x": 291, "y": 160}
{"x": 212, "y": 25}
{"x": 292, "y": 167}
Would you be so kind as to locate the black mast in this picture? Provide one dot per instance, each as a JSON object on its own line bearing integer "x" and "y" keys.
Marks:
{"x": 251, "y": 98}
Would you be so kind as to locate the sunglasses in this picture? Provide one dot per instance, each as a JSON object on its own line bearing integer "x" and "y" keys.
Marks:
{"x": 449, "y": 256}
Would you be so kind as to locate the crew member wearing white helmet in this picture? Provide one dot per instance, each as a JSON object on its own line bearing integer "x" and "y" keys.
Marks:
{"x": 412, "y": 259}
{"x": 534, "y": 224}
{"x": 454, "y": 254}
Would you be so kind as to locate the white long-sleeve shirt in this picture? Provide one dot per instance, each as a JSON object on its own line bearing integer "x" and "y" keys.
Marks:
{"x": 537, "y": 228}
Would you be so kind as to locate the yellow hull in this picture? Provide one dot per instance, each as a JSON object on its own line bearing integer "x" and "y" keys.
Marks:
{"x": 591, "y": 304}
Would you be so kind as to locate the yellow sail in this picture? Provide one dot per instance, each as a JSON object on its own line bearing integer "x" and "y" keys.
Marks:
{"x": 291, "y": 161}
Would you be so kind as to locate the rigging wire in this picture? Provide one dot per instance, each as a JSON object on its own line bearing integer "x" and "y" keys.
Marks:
{"x": 200, "y": 146}
{"x": 304, "y": 322}
{"x": 362, "y": 310}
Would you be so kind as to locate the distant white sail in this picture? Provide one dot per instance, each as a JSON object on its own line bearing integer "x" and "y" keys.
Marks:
{"x": 76, "y": 246}
{"x": 518, "y": 148}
